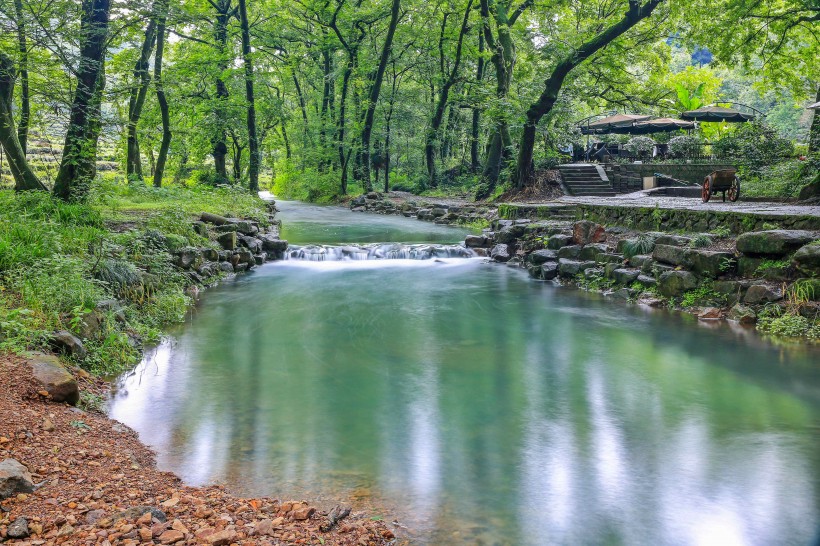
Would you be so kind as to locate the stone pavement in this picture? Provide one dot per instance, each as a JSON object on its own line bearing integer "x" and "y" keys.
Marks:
{"x": 640, "y": 199}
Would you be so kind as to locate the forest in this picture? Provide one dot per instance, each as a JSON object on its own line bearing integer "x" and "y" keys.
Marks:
{"x": 319, "y": 99}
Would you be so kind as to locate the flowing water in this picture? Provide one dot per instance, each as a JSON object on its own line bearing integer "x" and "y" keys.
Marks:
{"x": 476, "y": 406}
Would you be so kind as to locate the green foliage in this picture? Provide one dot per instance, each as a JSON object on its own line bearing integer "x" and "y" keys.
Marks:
{"x": 90, "y": 401}
{"x": 640, "y": 145}
{"x": 767, "y": 266}
{"x": 703, "y": 295}
{"x": 644, "y": 243}
{"x": 700, "y": 241}
{"x": 789, "y": 325}
{"x": 684, "y": 146}
{"x": 754, "y": 146}
{"x": 721, "y": 232}
{"x": 780, "y": 180}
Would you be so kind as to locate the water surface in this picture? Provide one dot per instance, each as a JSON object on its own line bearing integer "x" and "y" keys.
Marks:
{"x": 476, "y": 406}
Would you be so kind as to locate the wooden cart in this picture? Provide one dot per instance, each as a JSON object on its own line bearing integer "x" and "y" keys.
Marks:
{"x": 725, "y": 181}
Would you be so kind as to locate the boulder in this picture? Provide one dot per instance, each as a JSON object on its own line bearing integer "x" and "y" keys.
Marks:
{"x": 226, "y": 267}
{"x": 709, "y": 263}
{"x": 54, "y": 378}
{"x": 733, "y": 290}
{"x": 569, "y": 252}
{"x": 647, "y": 281}
{"x": 549, "y": 270}
{"x": 760, "y": 293}
{"x": 570, "y": 268}
{"x": 775, "y": 242}
{"x": 541, "y": 256}
{"x": 625, "y": 276}
{"x": 14, "y": 478}
{"x": 593, "y": 251}
{"x": 475, "y": 241}
{"x": 188, "y": 258}
{"x": 200, "y": 228}
{"x": 747, "y": 266}
{"x": 669, "y": 254}
{"x": 227, "y": 240}
{"x": 247, "y": 227}
{"x": 586, "y": 232}
{"x": 558, "y": 241}
{"x": 639, "y": 260}
{"x": 500, "y": 253}
{"x": 609, "y": 258}
{"x": 624, "y": 294}
{"x": 273, "y": 244}
{"x": 67, "y": 343}
{"x": 676, "y": 283}
{"x": 742, "y": 314}
{"x": 510, "y": 234}
{"x": 710, "y": 313}
{"x": 251, "y": 243}
{"x": 807, "y": 259}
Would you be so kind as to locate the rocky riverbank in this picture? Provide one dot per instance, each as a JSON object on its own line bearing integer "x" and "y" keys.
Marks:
{"x": 770, "y": 278}
{"x": 439, "y": 211}
{"x": 70, "y": 475}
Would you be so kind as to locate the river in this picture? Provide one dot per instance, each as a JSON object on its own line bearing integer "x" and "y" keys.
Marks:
{"x": 476, "y": 406}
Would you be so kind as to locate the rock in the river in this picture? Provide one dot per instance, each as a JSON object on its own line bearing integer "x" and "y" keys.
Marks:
{"x": 676, "y": 283}
{"x": 625, "y": 276}
{"x": 743, "y": 314}
{"x": 14, "y": 479}
{"x": 760, "y": 293}
{"x": 66, "y": 342}
{"x": 549, "y": 270}
{"x": 251, "y": 243}
{"x": 807, "y": 259}
{"x": 586, "y": 232}
{"x": 541, "y": 256}
{"x": 55, "y": 379}
{"x": 500, "y": 253}
{"x": 273, "y": 244}
{"x": 475, "y": 241}
{"x": 775, "y": 242}
{"x": 18, "y": 528}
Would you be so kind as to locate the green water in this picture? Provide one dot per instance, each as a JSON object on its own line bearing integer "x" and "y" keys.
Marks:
{"x": 475, "y": 406}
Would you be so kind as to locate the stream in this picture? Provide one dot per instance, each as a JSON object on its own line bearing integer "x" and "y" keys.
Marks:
{"x": 382, "y": 366}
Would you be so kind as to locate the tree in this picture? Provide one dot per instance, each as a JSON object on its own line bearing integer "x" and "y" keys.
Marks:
{"x": 253, "y": 141}
{"x": 375, "y": 90}
{"x": 78, "y": 164}
{"x": 139, "y": 90}
{"x": 24, "y": 177}
{"x": 162, "y": 101}
{"x": 636, "y": 12}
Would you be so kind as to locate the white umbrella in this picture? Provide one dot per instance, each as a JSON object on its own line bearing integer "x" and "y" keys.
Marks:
{"x": 815, "y": 106}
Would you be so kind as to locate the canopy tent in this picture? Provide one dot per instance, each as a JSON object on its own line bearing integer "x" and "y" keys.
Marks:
{"x": 815, "y": 106}
{"x": 657, "y": 125}
{"x": 607, "y": 124}
{"x": 717, "y": 113}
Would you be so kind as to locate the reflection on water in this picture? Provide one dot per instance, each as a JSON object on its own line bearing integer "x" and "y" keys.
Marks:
{"x": 477, "y": 406}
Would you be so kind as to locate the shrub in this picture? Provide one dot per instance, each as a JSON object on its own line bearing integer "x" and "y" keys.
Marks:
{"x": 700, "y": 241}
{"x": 642, "y": 244}
{"x": 754, "y": 145}
{"x": 640, "y": 145}
{"x": 684, "y": 146}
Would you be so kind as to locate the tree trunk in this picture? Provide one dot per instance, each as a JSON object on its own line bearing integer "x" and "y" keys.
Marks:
{"x": 219, "y": 137}
{"x": 814, "y": 131}
{"x": 72, "y": 180}
{"x": 253, "y": 141}
{"x": 24, "y": 177}
{"x": 25, "y": 100}
{"x": 342, "y": 110}
{"x": 139, "y": 89}
{"x": 374, "y": 94}
{"x": 544, "y": 104}
{"x": 475, "y": 162}
{"x": 327, "y": 77}
{"x": 162, "y": 156}
{"x": 441, "y": 105}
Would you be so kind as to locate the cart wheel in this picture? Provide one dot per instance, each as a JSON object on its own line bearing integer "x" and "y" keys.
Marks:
{"x": 734, "y": 190}
{"x": 706, "y": 192}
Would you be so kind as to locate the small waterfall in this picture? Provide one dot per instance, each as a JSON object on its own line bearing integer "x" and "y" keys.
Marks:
{"x": 392, "y": 251}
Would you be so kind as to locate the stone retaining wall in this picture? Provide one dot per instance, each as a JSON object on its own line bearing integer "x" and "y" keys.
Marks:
{"x": 650, "y": 218}
{"x": 626, "y": 178}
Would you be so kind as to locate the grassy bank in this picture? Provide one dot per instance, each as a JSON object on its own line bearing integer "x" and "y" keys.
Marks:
{"x": 59, "y": 261}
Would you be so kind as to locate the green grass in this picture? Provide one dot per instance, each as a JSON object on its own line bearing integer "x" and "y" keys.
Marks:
{"x": 59, "y": 260}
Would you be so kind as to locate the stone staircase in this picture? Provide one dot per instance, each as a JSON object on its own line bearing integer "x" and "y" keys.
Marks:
{"x": 583, "y": 179}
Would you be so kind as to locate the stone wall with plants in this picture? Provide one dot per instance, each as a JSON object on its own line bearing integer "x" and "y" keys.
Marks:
{"x": 770, "y": 278}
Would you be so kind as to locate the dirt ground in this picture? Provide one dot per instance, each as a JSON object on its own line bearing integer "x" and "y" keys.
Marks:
{"x": 96, "y": 482}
